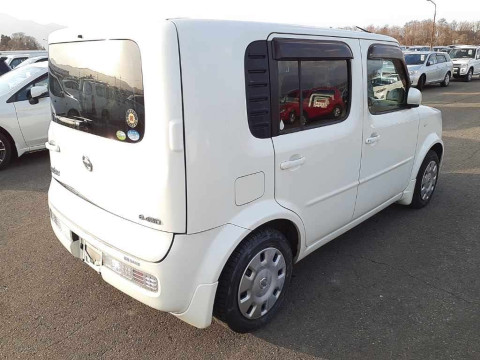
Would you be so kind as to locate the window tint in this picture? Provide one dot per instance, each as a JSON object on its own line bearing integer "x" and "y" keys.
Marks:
{"x": 16, "y": 62}
{"x": 55, "y": 87}
{"x": 387, "y": 85}
{"x": 415, "y": 59}
{"x": 312, "y": 93}
{"x": 97, "y": 87}
{"x": 23, "y": 94}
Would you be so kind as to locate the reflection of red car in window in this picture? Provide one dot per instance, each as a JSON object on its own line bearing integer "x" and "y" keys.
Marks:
{"x": 317, "y": 102}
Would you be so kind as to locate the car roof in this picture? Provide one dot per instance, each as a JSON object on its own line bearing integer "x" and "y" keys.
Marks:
{"x": 43, "y": 64}
{"x": 248, "y": 28}
{"x": 465, "y": 46}
{"x": 420, "y": 52}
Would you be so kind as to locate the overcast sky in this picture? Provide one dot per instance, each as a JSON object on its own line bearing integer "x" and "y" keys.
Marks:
{"x": 323, "y": 13}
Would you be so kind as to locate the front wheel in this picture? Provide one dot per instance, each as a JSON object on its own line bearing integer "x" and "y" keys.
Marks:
{"x": 6, "y": 150}
{"x": 446, "y": 80}
{"x": 426, "y": 180}
{"x": 469, "y": 75}
{"x": 253, "y": 283}
{"x": 421, "y": 82}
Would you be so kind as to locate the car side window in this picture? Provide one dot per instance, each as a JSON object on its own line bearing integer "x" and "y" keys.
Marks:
{"x": 441, "y": 58}
{"x": 432, "y": 58}
{"x": 55, "y": 87}
{"x": 23, "y": 93}
{"x": 386, "y": 85}
{"x": 312, "y": 93}
{"x": 16, "y": 61}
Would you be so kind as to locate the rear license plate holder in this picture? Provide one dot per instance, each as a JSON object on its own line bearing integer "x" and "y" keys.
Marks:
{"x": 91, "y": 256}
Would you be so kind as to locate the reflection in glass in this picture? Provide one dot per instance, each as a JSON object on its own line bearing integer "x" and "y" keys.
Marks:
{"x": 386, "y": 85}
{"x": 97, "y": 87}
{"x": 324, "y": 96}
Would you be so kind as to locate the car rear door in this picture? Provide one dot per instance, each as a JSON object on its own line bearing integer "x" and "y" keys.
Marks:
{"x": 126, "y": 157}
{"x": 317, "y": 155}
{"x": 389, "y": 131}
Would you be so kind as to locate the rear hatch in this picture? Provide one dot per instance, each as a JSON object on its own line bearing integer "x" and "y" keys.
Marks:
{"x": 114, "y": 115}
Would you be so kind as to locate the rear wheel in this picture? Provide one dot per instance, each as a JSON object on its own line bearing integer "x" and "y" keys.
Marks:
{"x": 6, "y": 150}
{"x": 469, "y": 75}
{"x": 426, "y": 180}
{"x": 421, "y": 82}
{"x": 446, "y": 80}
{"x": 292, "y": 117}
{"x": 253, "y": 283}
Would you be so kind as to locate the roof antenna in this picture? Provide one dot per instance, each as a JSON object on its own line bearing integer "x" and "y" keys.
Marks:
{"x": 358, "y": 27}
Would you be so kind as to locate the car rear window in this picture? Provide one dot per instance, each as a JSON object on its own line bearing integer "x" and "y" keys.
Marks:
{"x": 97, "y": 87}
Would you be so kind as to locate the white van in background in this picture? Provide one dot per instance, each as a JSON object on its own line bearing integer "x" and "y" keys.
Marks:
{"x": 200, "y": 190}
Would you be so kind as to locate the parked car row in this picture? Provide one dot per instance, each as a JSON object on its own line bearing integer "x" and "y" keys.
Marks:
{"x": 10, "y": 60}
{"x": 431, "y": 67}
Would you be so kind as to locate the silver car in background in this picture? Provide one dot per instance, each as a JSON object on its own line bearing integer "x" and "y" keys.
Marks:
{"x": 429, "y": 67}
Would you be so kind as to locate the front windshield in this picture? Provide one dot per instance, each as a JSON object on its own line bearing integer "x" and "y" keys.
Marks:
{"x": 462, "y": 54}
{"x": 11, "y": 79}
{"x": 415, "y": 59}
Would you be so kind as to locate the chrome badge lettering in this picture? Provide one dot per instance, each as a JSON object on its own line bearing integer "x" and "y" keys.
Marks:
{"x": 150, "y": 219}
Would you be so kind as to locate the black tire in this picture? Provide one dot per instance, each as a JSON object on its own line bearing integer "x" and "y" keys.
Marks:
{"x": 418, "y": 201}
{"x": 446, "y": 80}
{"x": 6, "y": 151}
{"x": 292, "y": 117}
{"x": 72, "y": 113}
{"x": 469, "y": 75}
{"x": 337, "y": 112}
{"x": 421, "y": 82}
{"x": 226, "y": 306}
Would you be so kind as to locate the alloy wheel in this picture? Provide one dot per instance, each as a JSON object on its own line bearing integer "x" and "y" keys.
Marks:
{"x": 429, "y": 180}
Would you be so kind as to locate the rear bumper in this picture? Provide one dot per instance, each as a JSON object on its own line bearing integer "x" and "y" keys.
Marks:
{"x": 186, "y": 277}
{"x": 178, "y": 291}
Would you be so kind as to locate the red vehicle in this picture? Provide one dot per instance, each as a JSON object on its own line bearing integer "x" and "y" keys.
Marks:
{"x": 318, "y": 103}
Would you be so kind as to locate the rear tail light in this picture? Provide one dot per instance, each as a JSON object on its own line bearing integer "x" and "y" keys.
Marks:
{"x": 136, "y": 276}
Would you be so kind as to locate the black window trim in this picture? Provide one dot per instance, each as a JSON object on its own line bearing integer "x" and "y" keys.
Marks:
{"x": 310, "y": 49}
{"x": 274, "y": 87}
{"x": 13, "y": 98}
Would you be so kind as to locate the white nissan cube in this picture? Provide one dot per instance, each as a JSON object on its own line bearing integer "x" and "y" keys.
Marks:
{"x": 196, "y": 161}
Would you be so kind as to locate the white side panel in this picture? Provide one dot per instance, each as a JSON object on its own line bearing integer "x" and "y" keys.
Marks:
{"x": 34, "y": 120}
{"x": 219, "y": 146}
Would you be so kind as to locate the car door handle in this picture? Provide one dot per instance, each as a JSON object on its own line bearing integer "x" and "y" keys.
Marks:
{"x": 50, "y": 145}
{"x": 292, "y": 163}
{"x": 372, "y": 139}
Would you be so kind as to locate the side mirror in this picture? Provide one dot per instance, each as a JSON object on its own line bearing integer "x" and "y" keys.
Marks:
{"x": 430, "y": 63}
{"x": 414, "y": 97}
{"x": 38, "y": 91}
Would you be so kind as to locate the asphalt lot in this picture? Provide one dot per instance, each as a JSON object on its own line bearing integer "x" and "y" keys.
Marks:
{"x": 404, "y": 284}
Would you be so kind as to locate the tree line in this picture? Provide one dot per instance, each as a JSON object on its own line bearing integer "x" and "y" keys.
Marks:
{"x": 419, "y": 32}
{"x": 19, "y": 41}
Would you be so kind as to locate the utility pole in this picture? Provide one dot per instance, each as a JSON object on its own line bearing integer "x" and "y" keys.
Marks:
{"x": 433, "y": 27}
